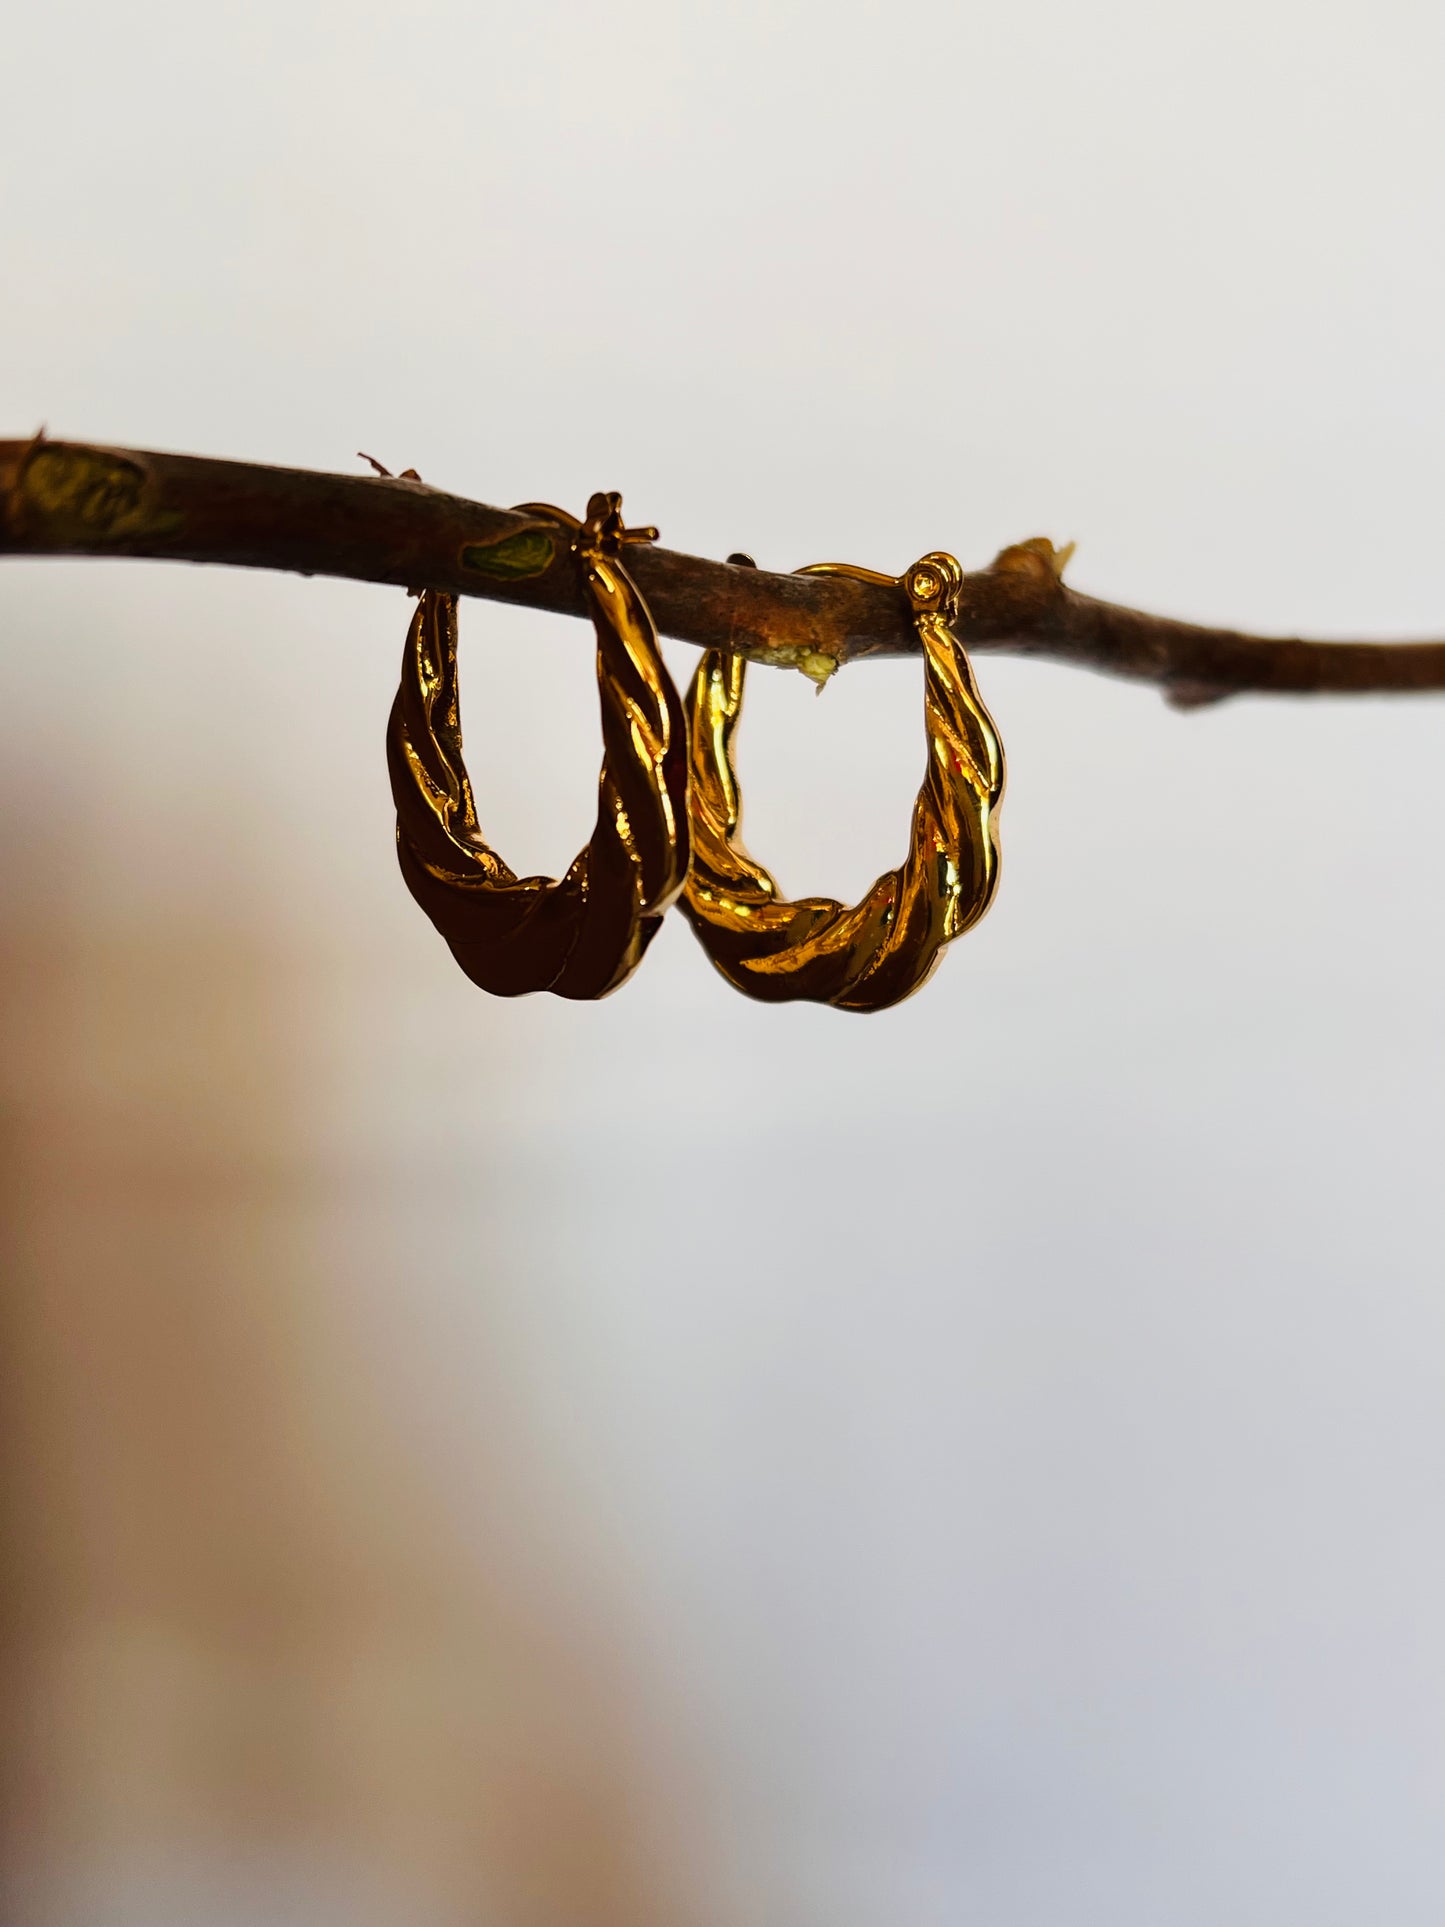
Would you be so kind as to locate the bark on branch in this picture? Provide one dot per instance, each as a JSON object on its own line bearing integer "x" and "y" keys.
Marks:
{"x": 66, "y": 498}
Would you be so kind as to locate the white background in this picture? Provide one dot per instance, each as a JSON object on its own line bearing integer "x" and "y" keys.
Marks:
{"x": 677, "y": 1460}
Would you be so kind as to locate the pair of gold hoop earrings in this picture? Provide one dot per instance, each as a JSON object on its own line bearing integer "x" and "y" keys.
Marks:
{"x": 669, "y": 810}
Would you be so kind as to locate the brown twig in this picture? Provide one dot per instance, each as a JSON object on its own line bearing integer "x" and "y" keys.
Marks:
{"x": 65, "y": 498}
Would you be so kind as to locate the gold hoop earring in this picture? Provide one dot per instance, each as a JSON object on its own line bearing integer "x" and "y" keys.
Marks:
{"x": 583, "y": 934}
{"x": 886, "y": 946}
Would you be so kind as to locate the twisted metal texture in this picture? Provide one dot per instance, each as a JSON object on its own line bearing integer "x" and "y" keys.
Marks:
{"x": 882, "y": 949}
{"x": 581, "y": 935}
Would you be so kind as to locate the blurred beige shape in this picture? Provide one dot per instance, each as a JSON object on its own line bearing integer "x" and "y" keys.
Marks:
{"x": 249, "y": 1673}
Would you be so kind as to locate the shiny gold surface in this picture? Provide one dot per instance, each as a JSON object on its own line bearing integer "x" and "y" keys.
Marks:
{"x": 581, "y": 935}
{"x": 882, "y": 949}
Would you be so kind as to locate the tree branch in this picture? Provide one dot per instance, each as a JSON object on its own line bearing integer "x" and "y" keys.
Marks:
{"x": 65, "y": 498}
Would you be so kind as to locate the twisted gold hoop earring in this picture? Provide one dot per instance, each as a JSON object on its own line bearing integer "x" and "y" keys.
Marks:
{"x": 886, "y": 946}
{"x": 581, "y": 935}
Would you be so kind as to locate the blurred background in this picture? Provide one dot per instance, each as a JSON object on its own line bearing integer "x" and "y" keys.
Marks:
{"x": 679, "y": 1461}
